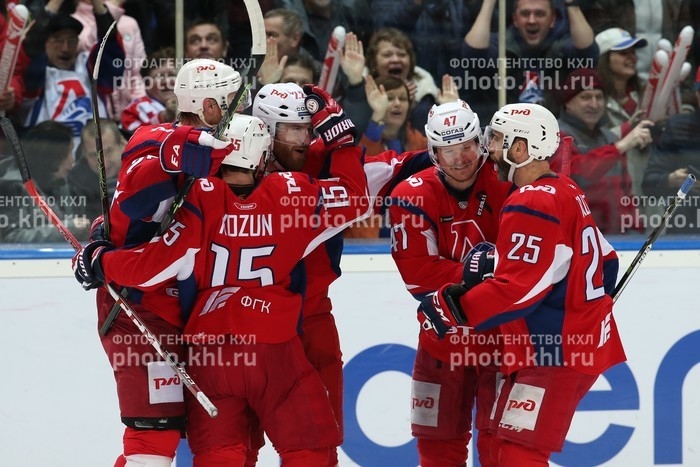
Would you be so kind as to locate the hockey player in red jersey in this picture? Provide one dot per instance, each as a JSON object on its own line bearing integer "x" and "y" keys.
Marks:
{"x": 281, "y": 107}
{"x": 229, "y": 239}
{"x": 438, "y": 217}
{"x": 549, "y": 294}
{"x": 154, "y": 163}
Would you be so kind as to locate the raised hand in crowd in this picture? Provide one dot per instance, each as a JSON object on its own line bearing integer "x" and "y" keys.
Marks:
{"x": 638, "y": 137}
{"x": 376, "y": 98}
{"x": 412, "y": 90}
{"x": 679, "y": 176}
{"x": 449, "y": 92}
{"x": 7, "y": 99}
{"x": 352, "y": 59}
{"x": 273, "y": 66}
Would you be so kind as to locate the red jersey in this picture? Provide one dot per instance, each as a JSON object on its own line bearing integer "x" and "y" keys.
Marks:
{"x": 144, "y": 191}
{"x": 433, "y": 229}
{"x": 549, "y": 291}
{"x": 383, "y": 171}
{"x": 241, "y": 254}
{"x": 142, "y": 197}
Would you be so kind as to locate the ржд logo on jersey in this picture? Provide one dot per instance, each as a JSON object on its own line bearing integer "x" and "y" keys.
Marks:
{"x": 523, "y": 407}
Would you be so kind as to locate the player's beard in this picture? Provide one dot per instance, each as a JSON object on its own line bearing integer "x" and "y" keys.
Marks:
{"x": 290, "y": 157}
{"x": 503, "y": 169}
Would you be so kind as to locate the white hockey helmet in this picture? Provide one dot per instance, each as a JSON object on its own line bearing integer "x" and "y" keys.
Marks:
{"x": 251, "y": 142}
{"x": 281, "y": 103}
{"x": 450, "y": 124}
{"x": 203, "y": 78}
{"x": 531, "y": 122}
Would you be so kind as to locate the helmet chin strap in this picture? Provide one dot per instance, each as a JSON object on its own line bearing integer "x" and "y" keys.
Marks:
{"x": 513, "y": 165}
{"x": 200, "y": 114}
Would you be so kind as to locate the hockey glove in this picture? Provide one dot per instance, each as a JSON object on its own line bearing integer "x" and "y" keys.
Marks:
{"x": 479, "y": 264}
{"x": 97, "y": 229}
{"x": 441, "y": 310}
{"x": 193, "y": 152}
{"x": 86, "y": 264}
{"x": 329, "y": 119}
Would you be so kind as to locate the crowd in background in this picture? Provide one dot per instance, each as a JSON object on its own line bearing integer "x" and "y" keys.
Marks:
{"x": 586, "y": 60}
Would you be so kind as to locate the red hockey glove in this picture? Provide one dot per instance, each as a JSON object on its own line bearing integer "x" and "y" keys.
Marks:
{"x": 441, "y": 310}
{"x": 86, "y": 264}
{"x": 329, "y": 119}
{"x": 194, "y": 152}
{"x": 479, "y": 264}
{"x": 97, "y": 229}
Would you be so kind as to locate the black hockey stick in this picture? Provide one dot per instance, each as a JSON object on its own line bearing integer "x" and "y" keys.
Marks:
{"x": 637, "y": 261}
{"x": 186, "y": 379}
{"x": 101, "y": 173}
{"x": 257, "y": 52}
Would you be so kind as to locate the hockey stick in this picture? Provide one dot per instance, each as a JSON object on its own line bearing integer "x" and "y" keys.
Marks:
{"x": 101, "y": 173}
{"x": 257, "y": 51}
{"x": 636, "y": 262}
{"x": 186, "y": 379}
{"x": 257, "y": 25}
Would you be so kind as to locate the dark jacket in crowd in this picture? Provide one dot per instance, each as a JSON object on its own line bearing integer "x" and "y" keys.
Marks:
{"x": 676, "y": 148}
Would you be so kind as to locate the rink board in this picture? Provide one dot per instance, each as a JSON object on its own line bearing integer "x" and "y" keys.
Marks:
{"x": 59, "y": 406}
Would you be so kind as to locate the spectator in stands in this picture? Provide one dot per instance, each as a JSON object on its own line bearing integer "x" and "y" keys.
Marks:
{"x": 48, "y": 148}
{"x": 320, "y": 17}
{"x": 205, "y": 39}
{"x": 284, "y": 30}
{"x": 390, "y": 53}
{"x": 623, "y": 89}
{"x": 300, "y": 69}
{"x": 537, "y": 34}
{"x": 59, "y": 77}
{"x": 435, "y": 27}
{"x": 388, "y": 129}
{"x": 598, "y": 162}
{"x": 83, "y": 178}
{"x": 131, "y": 86}
{"x": 287, "y": 29}
{"x": 160, "y": 104}
{"x": 673, "y": 157}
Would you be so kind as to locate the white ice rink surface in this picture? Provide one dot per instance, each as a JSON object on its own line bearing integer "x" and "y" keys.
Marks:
{"x": 57, "y": 399}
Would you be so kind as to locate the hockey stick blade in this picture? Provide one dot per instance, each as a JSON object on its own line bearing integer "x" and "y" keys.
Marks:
{"x": 637, "y": 261}
{"x": 186, "y": 379}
